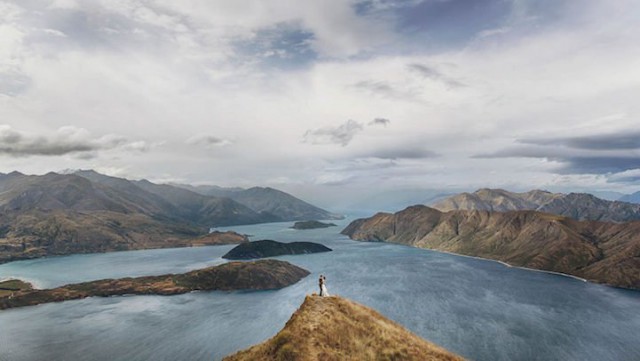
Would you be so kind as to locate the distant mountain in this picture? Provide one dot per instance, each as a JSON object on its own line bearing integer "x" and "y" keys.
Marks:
{"x": 179, "y": 203}
{"x": 86, "y": 211}
{"x": 580, "y": 206}
{"x": 603, "y": 252}
{"x": 631, "y": 198}
{"x": 210, "y": 190}
{"x": 268, "y": 201}
{"x": 335, "y": 328}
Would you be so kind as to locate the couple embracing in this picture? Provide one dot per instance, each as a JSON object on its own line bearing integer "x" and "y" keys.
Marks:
{"x": 322, "y": 282}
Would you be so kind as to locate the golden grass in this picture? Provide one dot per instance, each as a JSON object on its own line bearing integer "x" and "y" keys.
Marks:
{"x": 333, "y": 328}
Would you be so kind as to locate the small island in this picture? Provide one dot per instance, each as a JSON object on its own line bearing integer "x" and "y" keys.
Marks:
{"x": 269, "y": 248}
{"x": 311, "y": 225}
{"x": 258, "y": 275}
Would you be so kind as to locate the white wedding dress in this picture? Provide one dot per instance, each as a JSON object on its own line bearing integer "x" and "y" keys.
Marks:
{"x": 323, "y": 291}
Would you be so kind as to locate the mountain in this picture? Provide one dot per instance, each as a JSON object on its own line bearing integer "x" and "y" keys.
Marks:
{"x": 213, "y": 211}
{"x": 334, "y": 328}
{"x": 85, "y": 211}
{"x": 631, "y": 198}
{"x": 268, "y": 201}
{"x": 603, "y": 252}
{"x": 180, "y": 203}
{"x": 580, "y": 206}
{"x": 210, "y": 190}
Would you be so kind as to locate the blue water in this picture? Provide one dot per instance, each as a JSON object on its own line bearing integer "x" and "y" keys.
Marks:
{"x": 480, "y": 309}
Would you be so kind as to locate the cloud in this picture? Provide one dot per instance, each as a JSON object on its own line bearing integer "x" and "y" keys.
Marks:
{"x": 380, "y": 121}
{"x": 402, "y": 153}
{"x": 432, "y": 73}
{"x": 342, "y": 134}
{"x": 403, "y": 90}
{"x": 577, "y": 160}
{"x": 630, "y": 176}
{"x": 624, "y": 139}
{"x": 208, "y": 141}
{"x": 66, "y": 140}
{"x": 493, "y": 32}
{"x": 13, "y": 82}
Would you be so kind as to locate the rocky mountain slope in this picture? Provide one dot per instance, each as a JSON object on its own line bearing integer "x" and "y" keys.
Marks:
{"x": 266, "y": 200}
{"x": 580, "y": 206}
{"x": 259, "y": 275}
{"x": 334, "y": 328}
{"x": 603, "y": 252}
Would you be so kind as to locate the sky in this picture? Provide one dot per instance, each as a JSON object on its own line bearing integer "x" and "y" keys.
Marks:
{"x": 335, "y": 101}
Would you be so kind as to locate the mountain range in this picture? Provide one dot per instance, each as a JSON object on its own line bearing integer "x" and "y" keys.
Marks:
{"x": 631, "y": 198}
{"x": 604, "y": 252}
{"x": 267, "y": 200}
{"x": 86, "y": 211}
{"x": 580, "y": 206}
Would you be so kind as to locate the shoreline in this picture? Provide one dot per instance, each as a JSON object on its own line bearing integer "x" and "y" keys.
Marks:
{"x": 522, "y": 267}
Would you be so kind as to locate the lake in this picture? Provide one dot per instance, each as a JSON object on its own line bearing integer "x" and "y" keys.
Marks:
{"x": 480, "y": 309}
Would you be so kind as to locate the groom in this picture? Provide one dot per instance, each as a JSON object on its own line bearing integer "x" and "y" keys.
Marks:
{"x": 320, "y": 284}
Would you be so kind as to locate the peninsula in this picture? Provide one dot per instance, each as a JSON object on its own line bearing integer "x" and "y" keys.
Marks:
{"x": 603, "y": 252}
{"x": 258, "y": 275}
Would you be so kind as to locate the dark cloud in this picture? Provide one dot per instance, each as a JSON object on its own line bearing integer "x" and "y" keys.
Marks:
{"x": 433, "y": 74}
{"x": 67, "y": 140}
{"x": 403, "y": 153}
{"x": 598, "y": 165}
{"x": 208, "y": 140}
{"x": 627, "y": 139}
{"x": 342, "y": 134}
{"x": 573, "y": 161}
{"x": 380, "y": 121}
{"x": 381, "y": 88}
{"x": 385, "y": 89}
{"x": 630, "y": 177}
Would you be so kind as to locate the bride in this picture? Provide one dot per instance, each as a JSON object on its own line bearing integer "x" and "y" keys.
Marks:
{"x": 323, "y": 286}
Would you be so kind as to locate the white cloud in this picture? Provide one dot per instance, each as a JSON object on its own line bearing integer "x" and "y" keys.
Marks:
{"x": 162, "y": 71}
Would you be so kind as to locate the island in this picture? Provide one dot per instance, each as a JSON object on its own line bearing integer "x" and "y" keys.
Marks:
{"x": 258, "y": 275}
{"x": 270, "y": 248}
{"x": 311, "y": 225}
{"x": 334, "y": 328}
